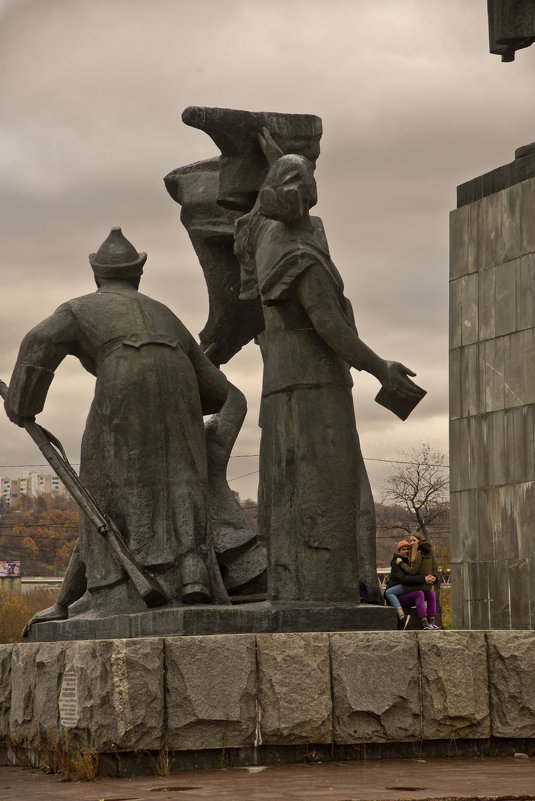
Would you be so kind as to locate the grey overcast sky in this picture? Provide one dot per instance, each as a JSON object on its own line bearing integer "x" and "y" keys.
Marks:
{"x": 91, "y": 93}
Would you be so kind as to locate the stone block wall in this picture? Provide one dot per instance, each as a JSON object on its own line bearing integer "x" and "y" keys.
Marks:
{"x": 492, "y": 409}
{"x": 249, "y": 693}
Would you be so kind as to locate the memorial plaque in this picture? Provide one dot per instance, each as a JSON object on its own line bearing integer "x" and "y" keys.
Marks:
{"x": 68, "y": 699}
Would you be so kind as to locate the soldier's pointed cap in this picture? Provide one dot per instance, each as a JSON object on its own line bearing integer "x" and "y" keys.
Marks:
{"x": 117, "y": 258}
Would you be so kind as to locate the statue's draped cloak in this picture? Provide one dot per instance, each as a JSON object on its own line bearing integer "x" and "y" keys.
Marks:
{"x": 143, "y": 451}
{"x": 310, "y": 458}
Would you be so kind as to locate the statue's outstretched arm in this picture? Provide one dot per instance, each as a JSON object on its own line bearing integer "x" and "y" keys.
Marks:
{"x": 320, "y": 301}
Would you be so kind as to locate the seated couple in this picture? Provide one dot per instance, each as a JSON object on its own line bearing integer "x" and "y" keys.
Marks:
{"x": 412, "y": 576}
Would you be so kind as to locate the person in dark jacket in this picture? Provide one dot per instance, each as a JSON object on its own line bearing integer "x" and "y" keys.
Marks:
{"x": 416, "y": 590}
{"x": 393, "y": 584}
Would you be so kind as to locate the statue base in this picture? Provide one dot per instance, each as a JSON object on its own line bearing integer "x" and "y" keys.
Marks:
{"x": 251, "y": 618}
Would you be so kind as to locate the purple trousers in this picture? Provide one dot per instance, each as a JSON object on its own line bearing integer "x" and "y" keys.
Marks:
{"x": 417, "y": 598}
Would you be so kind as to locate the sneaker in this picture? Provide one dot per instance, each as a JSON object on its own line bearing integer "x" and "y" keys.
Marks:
{"x": 404, "y": 622}
{"x": 434, "y": 626}
{"x": 427, "y": 626}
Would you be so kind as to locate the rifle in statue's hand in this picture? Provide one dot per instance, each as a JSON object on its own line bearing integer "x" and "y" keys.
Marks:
{"x": 51, "y": 448}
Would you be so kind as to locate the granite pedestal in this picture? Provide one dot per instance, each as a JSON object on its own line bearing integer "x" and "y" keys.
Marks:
{"x": 209, "y": 620}
{"x": 256, "y": 699}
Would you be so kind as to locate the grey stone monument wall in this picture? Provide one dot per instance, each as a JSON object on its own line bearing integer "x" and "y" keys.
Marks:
{"x": 255, "y": 699}
{"x": 492, "y": 398}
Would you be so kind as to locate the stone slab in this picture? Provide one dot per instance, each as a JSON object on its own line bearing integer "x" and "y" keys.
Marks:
{"x": 375, "y": 687}
{"x": 469, "y": 309}
{"x": 493, "y": 356}
{"x": 511, "y": 658}
{"x": 207, "y": 620}
{"x": 455, "y": 699}
{"x": 496, "y": 449}
{"x": 478, "y": 606}
{"x": 480, "y": 455}
{"x": 5, "y": 687}
{"x": 488, "y": 224}
{"x": 500, "y": 612}
{"x": 527, "y": 218}
{"x": 455, "y": 313}
{"x": 529, "y": 373}
{"x": 116, "y": 689}
{"x": 521, "y": 467}
{"x": 506, "y": 281}
{"x": 294, "y": 688}
{"x": 459, "y": 238}
{"x": 460, "y": 603}
{"x": 526, "y": 504}
{"x": 525, "y": 289}
{"x": 487, "y": 303}
{"x": 508, "y": 238}
{"x": 210, "y": 691}
{"x": 36, "y": 671}
{"x": 455, "y": 383}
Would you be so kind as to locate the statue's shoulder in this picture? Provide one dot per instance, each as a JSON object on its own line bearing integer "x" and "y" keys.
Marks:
{"x": 158, "y": 308}
{"x": 77, "y": 306}
{"x": 81, "y": 300}
{"x": 162, "y": 315}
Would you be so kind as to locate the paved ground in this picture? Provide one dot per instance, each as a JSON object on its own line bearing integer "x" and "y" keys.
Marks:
{"x": 504, "y": 778}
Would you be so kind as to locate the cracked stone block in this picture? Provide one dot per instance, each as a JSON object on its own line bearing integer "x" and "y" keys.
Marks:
{"x": 5, "y": 687}
{"x": 455, "y": 698}
{"x": 36, "y": 670}
{"x": 210, "y": 691}
{"x": 294, "y": 688}
{"x": 511, "y": 656}
{"x": 375, "y": 678}
{"x": 111, "y": 694}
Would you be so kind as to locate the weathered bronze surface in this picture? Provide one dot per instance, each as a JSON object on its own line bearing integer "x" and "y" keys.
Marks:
{"x": 146, "y": 457}
{"x": 315, "y": 505}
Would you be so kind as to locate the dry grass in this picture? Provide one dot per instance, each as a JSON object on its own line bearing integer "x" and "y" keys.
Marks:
{"x": 85, "y": 764}
{"x": 160, "y": 761}
{"x": 17, "y": 609}
{"x": 56, "y": 756}
{"x": 163, "y": 768}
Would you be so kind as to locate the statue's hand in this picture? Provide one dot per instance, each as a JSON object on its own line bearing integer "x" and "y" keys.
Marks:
{"x": 396, "y": 379}
{"x": 56, "y": 612}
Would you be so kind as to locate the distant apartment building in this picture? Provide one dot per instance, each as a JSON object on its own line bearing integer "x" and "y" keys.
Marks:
{"x": 32, "y": 484}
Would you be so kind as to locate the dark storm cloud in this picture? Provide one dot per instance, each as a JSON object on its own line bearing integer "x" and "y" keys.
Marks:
{"x": 91, "y": 95}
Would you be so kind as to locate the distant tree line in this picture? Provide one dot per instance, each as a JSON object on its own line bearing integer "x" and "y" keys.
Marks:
{"x": 40, "y": 532}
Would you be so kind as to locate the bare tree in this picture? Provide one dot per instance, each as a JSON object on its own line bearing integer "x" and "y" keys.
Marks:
{"x": 419, "y": 485}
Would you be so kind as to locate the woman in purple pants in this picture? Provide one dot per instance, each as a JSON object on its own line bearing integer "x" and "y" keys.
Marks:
{"x": 419, "y": 596}
{"x": 405, "y": 590}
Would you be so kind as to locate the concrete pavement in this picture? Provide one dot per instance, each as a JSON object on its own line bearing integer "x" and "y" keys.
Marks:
{"x": 504, "y": 778}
